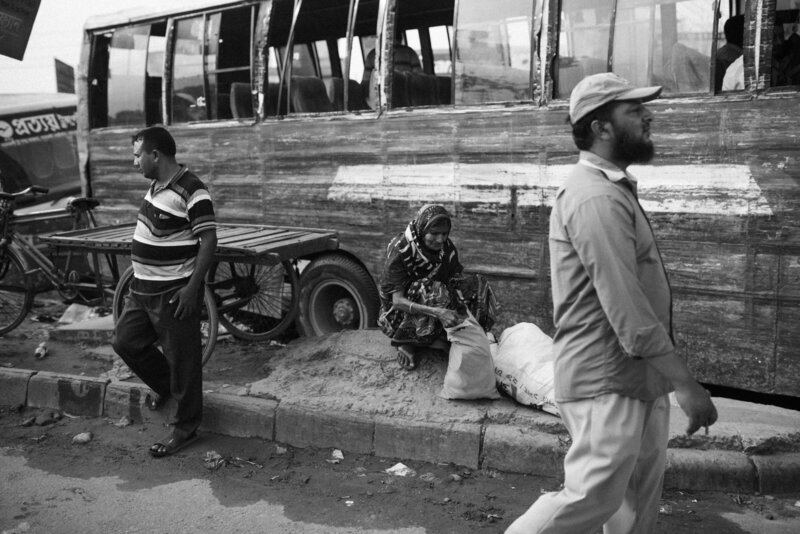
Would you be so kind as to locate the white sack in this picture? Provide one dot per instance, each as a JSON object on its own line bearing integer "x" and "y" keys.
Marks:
{"x": 523, "y": 366}
{"x": 470, "y": 373}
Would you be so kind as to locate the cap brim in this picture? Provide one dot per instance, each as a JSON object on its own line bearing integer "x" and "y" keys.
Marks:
{"x": 645, "y": 94}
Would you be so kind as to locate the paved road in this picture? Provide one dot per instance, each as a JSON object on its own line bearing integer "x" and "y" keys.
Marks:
{"x": 110, "y": 484}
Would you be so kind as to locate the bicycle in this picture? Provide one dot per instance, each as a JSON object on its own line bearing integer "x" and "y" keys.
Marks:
{"x": 21, "y": 262}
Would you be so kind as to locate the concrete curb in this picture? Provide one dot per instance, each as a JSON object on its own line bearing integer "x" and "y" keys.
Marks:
{"x": 509, "y": 447}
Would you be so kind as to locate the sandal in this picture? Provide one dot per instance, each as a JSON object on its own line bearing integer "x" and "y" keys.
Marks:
{"x": 154, "y": 401}
{"x": 407, "y": 359}
{"x": 172, "y": 445}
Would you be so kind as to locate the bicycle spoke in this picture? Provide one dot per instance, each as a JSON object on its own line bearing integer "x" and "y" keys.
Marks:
{"x": 256, "y": 301}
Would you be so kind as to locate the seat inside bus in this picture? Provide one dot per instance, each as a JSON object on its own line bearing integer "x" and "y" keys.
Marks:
{"x": 309, "y": 95}
{"x": 241, "y": 100}
{"x": 335, "y": 90}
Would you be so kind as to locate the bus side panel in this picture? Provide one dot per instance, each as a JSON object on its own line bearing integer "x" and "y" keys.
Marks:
{"x": 729, "y": 229}
{"x": 721, "y": 194}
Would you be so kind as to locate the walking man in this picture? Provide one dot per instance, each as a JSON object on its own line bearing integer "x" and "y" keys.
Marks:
{"x": 615, "y": 359}
{"x": 172, "y": 249}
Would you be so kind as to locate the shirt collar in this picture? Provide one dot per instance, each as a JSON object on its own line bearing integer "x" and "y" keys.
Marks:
{"x": 614, "y": 173}
{"x": 154, "y": 187}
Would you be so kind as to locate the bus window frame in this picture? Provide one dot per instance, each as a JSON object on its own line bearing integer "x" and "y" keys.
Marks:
{"x": 167, "y": 92}
{"x": 544, "y": 52}
{"x": 285, "y": 75}
{"x": 733, "y": 8}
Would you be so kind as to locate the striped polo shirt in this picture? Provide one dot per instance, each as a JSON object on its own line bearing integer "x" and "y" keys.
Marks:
{"x": 165, "y": 242}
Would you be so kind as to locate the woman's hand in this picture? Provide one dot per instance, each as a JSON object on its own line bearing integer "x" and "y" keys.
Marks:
{"x": 447, "y": 317}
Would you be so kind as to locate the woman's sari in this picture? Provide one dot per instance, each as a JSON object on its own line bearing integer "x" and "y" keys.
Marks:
{"x": 425, "y": 276}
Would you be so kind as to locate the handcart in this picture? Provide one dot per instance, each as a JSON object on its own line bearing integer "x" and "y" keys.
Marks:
{"x": 252, "y": 289}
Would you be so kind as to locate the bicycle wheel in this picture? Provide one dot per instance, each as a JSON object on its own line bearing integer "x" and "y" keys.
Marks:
{"x": 209, "y": 319}
{"x": 255, "y": 302}
{"x": 87, "y": 277}
{"x": 16, "y": 295}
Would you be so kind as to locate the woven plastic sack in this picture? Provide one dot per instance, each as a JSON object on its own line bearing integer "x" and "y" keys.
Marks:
{"x": 523, "y": 365}
{"x": 470, "y": 372}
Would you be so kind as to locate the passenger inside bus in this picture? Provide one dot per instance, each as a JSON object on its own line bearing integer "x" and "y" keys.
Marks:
{"x": 406, "y": 60}
{"x": 786, "y": 48}
{"x": 731, "y": 50}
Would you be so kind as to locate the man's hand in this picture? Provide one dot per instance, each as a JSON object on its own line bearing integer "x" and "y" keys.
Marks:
{"x": 186, "y": 297}
{"x": 696, "y": 403}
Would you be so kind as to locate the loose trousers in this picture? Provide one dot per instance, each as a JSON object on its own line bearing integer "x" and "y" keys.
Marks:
{"x": 613, "y": 471}
{"x": 175, "y": 371}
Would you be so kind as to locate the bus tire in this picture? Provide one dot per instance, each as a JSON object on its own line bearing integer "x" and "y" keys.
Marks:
{"x": 336, "y": 293}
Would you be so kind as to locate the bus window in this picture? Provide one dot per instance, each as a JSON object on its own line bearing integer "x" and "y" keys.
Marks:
{"x": 730, "y": 46}
{"x": 441, "y": 53}
{"x": 98, "y": 85}
{"x": 314, "y": 78}
{"x": 440, "y": 46}
{"x": 154, "y": 73}
{"x": 356, "y": 58}
{"x": 273, "y": 67}
{"x": 665, "y": 43}
{"x": 324, "y": 59}
{"x": 367, "y": 46}
{"x": 414, "y": 43}
{"x": 127, "y": 60}
{"x": 493, "y": 51}
{"x": 668, "y": 43}
{"x": 582, "y": 43}
{"x": 786, "y": 44}
{"x": 188, "y": 95}
{"x": 211, "y": 61}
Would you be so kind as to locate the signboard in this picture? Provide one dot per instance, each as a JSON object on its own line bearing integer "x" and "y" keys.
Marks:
{"x": 65, "y": 77}
{"x": 16, "y": 23}
{"x": 19, "y": 128}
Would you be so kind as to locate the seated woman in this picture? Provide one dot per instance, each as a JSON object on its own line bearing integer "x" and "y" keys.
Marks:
{"x": 416, "y": 304}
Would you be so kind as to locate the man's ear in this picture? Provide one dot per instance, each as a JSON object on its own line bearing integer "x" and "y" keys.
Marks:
{"x": 601, "y": 129}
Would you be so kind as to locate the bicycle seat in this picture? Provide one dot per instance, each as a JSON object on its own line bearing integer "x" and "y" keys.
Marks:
{"x": 82, "y": 203}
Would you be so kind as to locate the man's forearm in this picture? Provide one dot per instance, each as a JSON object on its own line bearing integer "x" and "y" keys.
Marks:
{"x": 673, "y": 369}
{"x": 204, "y": 258}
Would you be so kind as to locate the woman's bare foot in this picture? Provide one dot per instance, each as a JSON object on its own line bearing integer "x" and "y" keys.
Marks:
{"x": 407, "y": 357}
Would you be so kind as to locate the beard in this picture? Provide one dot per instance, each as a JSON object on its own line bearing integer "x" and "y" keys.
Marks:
{"x": 632, "y": 150}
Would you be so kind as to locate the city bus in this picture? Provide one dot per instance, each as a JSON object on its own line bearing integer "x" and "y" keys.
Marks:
{"x": 351, "y": 114}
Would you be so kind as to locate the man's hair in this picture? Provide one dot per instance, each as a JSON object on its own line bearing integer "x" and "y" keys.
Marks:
{"x": 734, "y": 30}
{"x": 156, "y": 138}
{"x": 582, "y": 132}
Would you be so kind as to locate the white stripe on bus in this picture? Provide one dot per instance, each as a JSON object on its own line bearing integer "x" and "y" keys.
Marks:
{"x": 703, "y": 189}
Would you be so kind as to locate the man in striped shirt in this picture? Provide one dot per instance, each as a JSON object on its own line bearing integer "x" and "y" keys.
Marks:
{"x": 173, "y": 247}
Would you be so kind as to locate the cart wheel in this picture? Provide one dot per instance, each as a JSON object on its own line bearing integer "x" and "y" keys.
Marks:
{"x": 209, "y": 322}
{"x": 255, "y": 302}
{"x": 336, "y": 293}
{"x": 16, "y": 295}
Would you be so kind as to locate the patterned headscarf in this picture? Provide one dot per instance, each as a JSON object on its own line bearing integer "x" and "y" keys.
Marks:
{"x": 419, "y": 260}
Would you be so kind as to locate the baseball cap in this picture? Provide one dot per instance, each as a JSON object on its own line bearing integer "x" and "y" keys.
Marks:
{"x": 600, "y": 89}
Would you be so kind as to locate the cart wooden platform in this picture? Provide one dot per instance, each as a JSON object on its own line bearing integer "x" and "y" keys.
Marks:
{"x": 241, "y": 243}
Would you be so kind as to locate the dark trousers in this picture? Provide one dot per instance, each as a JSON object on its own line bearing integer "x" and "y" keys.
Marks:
{"x": 177, "y": 371}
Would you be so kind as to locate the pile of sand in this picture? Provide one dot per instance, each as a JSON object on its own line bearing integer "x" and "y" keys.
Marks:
{"x": 358, "y": 371}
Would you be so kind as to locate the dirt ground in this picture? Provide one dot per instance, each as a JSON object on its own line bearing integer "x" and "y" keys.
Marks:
{"x": 481, "y": 501}
{"x": 233, "y": 361}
